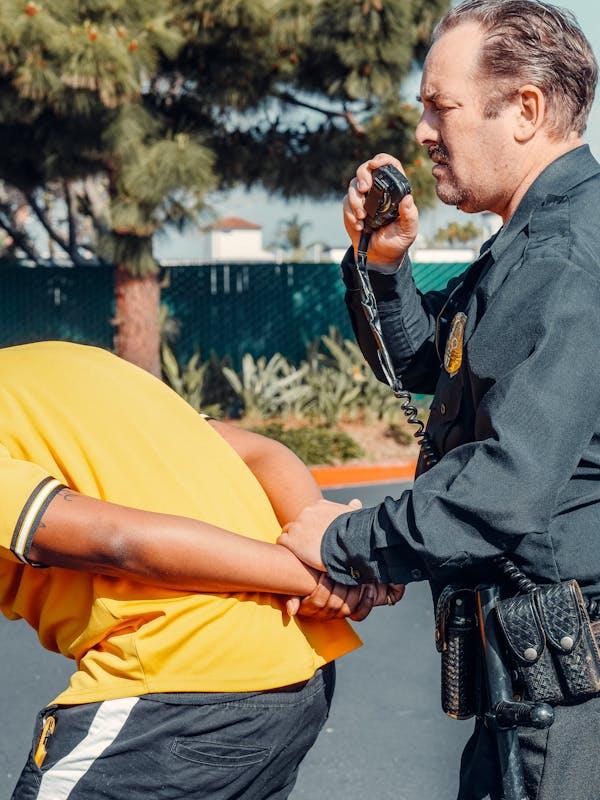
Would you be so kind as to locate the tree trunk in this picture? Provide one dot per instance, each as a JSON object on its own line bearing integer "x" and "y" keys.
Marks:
{"x": 137, "y": 338}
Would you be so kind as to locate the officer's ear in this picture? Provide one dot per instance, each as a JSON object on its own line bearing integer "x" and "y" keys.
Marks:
{"x": 531, "y": 110}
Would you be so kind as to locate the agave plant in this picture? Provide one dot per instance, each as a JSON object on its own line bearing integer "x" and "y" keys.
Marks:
{"x": 189, "y": 380}
{"x": 375, "y": 400}
{"x": 333, "y": 394}
{"x": 268, "y": 388}
{"x": 334, "y": 388}
{"x": 346, "y": 356}
{"x": 339, "y": 377}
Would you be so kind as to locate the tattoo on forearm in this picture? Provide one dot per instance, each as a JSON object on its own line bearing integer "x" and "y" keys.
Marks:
{"x": 67, "y": 495}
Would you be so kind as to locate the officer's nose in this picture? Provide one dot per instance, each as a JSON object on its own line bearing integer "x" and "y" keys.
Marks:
{"x": 426, "y": 132}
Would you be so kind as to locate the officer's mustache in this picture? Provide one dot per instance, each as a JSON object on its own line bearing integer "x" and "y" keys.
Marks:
{"x": 439, "y": 154}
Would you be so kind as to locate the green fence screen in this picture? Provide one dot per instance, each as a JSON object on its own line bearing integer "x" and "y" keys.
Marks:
{"x": 229, "y": 309}
{"x": 55, "y": 303}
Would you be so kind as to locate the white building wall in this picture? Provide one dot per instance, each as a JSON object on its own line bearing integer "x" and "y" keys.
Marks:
{"x": 203, "y": 248}
{"x": 335, "y": 254}
{"x": 434, "y": 255}
{"x": 237, "y": 245}
{"x": 443, "y": 255}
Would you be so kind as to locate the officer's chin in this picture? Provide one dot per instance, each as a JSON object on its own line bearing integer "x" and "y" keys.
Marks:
{"x": 451, "y": 195}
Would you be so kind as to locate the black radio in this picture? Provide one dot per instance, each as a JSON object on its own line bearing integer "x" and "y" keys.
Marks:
{"x": 382, "y": 201}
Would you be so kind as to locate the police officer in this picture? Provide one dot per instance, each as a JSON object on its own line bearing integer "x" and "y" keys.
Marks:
{"x": 510, "y": 350}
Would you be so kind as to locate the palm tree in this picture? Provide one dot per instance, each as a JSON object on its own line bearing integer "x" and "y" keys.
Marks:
{"x": 290, "y": 236}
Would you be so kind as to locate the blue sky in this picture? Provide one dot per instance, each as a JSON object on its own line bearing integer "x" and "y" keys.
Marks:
{"x": 325, "y": 218}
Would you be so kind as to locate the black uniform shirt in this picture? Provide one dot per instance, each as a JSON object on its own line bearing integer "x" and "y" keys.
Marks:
{"x": 518, "y": 425}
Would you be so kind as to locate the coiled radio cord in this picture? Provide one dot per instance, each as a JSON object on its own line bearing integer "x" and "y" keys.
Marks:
{"x": 369, "y": 305}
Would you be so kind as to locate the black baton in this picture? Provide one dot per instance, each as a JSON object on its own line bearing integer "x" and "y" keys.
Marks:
{"x": 504, "y": 713}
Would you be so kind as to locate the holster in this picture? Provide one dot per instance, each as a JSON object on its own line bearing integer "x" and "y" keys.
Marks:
{"x": 457, "y": 641}
{"x": 551, "y": 645}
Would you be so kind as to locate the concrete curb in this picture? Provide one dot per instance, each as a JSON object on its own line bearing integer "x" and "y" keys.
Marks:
{"x": 330, "y": 477}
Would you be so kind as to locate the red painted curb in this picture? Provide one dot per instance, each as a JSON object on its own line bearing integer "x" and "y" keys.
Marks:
{"x": 354, "y": 474}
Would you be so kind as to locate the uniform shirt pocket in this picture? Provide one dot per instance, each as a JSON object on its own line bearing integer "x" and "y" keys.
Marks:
{"x": 445, "y": 408}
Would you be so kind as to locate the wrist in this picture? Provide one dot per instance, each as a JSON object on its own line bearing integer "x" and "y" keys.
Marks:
{"x": 297, "y": 577}
{"x": 386, "y": 268}
{"x": 382, "y": 263}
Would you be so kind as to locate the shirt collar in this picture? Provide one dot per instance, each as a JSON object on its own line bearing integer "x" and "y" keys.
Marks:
{"x": 559, "y": 177}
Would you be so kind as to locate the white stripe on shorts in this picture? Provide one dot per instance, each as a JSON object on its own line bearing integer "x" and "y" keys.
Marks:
{"x": 60, "y": 780}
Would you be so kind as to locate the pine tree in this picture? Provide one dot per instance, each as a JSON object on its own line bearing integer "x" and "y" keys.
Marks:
{"x": 128, "y": 112}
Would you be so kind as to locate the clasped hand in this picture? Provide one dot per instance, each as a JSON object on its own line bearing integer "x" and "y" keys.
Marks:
{"x": 330, "y": 600}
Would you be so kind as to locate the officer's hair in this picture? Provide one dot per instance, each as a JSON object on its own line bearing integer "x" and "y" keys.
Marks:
{"x": 529, "y": 41}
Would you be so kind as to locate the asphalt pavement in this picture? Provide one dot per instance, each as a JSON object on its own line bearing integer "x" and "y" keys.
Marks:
{"x": 386, "y": 737}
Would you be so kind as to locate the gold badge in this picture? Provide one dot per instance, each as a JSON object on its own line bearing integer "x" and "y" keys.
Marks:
{"x": 454, "y": 345}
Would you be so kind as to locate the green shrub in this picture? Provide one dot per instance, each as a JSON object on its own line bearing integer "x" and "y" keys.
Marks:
{"x": 314, "y": 445}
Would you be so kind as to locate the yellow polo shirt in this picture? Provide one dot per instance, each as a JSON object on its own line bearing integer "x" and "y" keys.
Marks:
{"x": 78, "y": 416}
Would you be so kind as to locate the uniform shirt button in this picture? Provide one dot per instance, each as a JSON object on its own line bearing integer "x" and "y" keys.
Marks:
{"x": 416, "y": 574}
{"x": 354, "y": 573}
{"x": 443, "y": 408}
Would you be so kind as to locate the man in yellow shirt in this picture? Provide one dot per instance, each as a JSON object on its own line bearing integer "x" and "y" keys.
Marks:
{"x": 139, "y": 539}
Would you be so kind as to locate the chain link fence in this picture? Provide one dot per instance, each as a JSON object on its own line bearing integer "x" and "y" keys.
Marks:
{"x": 228, "y": 309}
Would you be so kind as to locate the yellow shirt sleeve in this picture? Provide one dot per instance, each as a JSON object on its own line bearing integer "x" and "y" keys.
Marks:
{"x": 25, "y": 492}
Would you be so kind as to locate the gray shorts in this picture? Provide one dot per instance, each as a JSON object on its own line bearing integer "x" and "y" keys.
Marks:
{"x": 205, "y": 746}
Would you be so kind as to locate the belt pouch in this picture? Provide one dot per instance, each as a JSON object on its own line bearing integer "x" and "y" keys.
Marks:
{"x": 528, "y": 653}
{"x": 457, "y": 641}
{"x": 570, "y": 637}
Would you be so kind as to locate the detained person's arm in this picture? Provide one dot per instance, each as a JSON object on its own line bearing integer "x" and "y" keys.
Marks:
{"x": 532, "y": 428}
{"x": 86, "y": 534}
{"x": 291, "y": 488}
{"x": 43, "y": 523}
{"x": 287, "y": 482}
{"x": 89, "y": 535}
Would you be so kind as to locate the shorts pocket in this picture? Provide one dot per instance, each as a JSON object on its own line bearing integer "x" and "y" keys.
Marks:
{"x": 37, "y": 734}
{"x": 218, "y": 754}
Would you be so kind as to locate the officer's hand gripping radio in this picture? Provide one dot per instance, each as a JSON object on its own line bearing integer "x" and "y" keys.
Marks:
{"x": 382, "y": 203}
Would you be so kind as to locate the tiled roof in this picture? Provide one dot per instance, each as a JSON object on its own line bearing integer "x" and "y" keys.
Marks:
{"x": 234, "y": 223}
